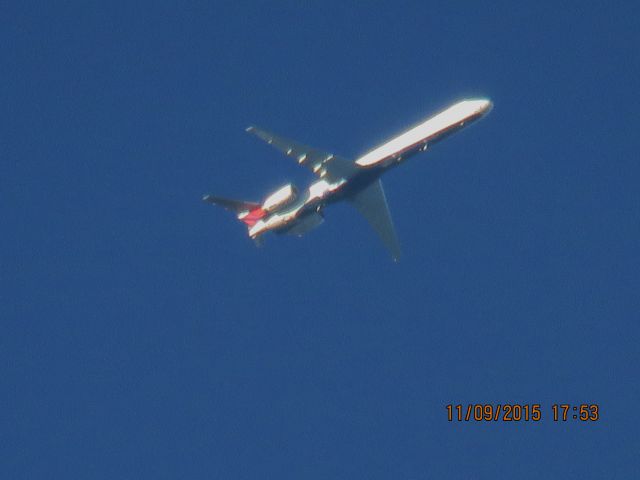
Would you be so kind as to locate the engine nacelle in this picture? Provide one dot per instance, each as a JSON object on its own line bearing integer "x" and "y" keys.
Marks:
{"x": 281, "y": 197}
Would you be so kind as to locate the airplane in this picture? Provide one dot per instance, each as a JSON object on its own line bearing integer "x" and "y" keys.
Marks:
{"x": 294, "y": 212}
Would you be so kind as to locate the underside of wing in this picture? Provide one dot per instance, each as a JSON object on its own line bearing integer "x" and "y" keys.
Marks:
{"x": 323, "y": 164}
{"x": 372, "y": 204}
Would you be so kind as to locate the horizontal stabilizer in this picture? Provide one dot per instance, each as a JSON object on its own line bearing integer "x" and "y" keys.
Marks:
{"x": 235, "y": 206}
{"x": 248, "y": 213}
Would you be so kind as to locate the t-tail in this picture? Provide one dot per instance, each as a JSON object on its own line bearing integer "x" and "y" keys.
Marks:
{"x": 248, "y": 213}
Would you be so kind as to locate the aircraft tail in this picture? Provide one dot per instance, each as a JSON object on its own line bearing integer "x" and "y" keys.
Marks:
{"x": 247, "y": 212}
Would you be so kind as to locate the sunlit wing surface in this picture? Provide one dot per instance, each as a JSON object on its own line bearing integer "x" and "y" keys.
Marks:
{"x": 372, "y": 204}
{"x": 325, "y": 165}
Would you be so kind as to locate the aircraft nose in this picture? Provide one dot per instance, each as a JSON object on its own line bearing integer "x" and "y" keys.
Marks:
{"x": 484, "y": 106}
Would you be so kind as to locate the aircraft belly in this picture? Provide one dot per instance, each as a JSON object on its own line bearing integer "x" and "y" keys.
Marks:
{"x": 303, "y": 225}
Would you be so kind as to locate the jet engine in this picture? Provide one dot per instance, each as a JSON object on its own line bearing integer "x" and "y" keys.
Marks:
{"x": 280, "y": 198}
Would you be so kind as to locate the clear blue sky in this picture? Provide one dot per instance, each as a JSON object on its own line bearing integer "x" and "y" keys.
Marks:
{"x": 144, "y": 336}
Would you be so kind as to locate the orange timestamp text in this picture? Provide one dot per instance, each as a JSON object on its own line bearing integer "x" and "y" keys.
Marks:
{"x": 517, "y": 412}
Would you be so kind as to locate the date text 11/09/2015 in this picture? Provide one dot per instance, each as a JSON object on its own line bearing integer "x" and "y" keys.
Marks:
{"x": 517, "y": 412}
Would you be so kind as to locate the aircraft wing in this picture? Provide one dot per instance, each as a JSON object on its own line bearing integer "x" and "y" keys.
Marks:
{"x": 323, "y": 164}
{"x": 372, "y": 204}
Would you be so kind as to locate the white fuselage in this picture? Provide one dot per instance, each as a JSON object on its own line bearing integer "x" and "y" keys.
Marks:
{"x": 384, "y": 156}
{"x": 417, "y": 138}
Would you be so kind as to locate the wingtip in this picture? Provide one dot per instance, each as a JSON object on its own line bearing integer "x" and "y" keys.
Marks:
{"x": 205, "y": 198}
{"x": 250, "y": 128}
